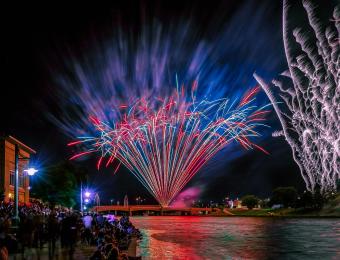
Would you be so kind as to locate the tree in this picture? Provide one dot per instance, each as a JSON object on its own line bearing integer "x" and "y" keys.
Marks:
{"x": 250, "y": 201}
{"x": 264, "y": 203}
{"x": 59, "y": 184}
{"x": 306, "y": 200}
{"x": 287, "y": 196}
{"x": 315, "y": 201}
{"x": 319, "y": 200}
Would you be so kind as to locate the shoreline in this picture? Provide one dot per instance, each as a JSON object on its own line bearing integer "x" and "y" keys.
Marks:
{"x": 243, "y": 216}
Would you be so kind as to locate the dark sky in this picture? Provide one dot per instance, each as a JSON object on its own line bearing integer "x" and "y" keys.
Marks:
{"x": 35, "y": 36}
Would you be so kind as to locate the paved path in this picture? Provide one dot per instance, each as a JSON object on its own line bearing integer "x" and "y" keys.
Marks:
{"x": 81, "y": 252}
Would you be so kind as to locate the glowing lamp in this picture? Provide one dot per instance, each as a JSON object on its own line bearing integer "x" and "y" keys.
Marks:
{"x": 31, "y": 171}
{"x": 87, "y": 194}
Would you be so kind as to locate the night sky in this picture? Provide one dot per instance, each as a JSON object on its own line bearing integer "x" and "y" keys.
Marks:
{"x": 38, "y": 39}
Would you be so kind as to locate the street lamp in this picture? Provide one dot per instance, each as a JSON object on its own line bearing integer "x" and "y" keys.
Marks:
{"x": 88, "y": 196}
{"x": 31, "y": 171}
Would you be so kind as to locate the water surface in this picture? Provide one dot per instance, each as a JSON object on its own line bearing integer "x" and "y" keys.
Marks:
{"x": 176, "y": 237}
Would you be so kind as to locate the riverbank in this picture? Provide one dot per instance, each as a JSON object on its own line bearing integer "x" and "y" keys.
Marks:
{"x": 289, "y": 212}
{"x": 330, "y": 210}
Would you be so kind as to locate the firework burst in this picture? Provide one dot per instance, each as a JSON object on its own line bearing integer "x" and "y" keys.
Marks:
{"x": 164, "y": 142}
{"x": 310, "y": 92}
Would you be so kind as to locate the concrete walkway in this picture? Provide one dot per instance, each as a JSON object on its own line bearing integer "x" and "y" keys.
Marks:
{"x": 81, "y": 252}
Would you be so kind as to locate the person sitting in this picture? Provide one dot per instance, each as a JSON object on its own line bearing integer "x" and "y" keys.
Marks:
{"x": 113, "y": 254}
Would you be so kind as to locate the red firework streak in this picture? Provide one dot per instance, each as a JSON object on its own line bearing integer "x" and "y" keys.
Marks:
{"x": 165, "y": 147}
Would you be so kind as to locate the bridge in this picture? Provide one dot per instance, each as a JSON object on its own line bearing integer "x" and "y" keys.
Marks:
{"x": 155, "y": 208}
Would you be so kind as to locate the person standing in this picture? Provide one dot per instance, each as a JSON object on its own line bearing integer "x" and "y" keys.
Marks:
{"x": 87, "y": 220}
{"x": 52, "y": 233}
{"x": 69, "y": 232}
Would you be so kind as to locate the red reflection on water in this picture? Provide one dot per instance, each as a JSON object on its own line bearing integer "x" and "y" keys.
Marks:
{"x": 201, "y": 237}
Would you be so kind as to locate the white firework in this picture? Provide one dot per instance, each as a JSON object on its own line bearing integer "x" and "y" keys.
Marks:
{"x": 310, "y": 91}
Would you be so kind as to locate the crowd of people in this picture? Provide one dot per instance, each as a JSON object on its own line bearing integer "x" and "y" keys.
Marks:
{"x": 41, "y": 225}
{"x": 111, "y": 237}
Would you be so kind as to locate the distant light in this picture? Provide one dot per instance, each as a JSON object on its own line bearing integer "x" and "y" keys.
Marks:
{"x": 29, "y": 187}
{"x": 85, "y": 207}
{"x": 31, "y": 171}
{"x": 87, "y": 194}
{"x": 87, "y": 200}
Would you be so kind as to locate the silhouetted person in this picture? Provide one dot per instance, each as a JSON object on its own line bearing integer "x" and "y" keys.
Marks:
{"x": 69, "y": 233}
{"x": 26, "y": 229}
{"x": 52, "y": 233}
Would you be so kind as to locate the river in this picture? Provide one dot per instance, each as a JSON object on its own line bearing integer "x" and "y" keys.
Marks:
{"x": 185, "y": 237}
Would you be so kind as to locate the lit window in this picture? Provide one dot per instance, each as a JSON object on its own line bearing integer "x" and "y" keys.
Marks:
{"x": 21, "y": 180}
{"x": 11, "y": 178}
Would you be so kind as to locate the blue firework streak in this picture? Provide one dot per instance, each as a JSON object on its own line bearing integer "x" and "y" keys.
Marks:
{"x": 165, "y": 147}
{"x": 159, "y": 59}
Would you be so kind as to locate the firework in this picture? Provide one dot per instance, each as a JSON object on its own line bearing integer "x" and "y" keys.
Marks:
{"x": 311, "y": 118}
{"x": 164, "y": 142}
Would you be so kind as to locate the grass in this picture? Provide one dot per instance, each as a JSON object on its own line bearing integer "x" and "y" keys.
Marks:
{"x": 253, "y": 212}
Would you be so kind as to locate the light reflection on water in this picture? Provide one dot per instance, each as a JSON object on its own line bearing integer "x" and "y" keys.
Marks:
{"x": 176, "y": 237}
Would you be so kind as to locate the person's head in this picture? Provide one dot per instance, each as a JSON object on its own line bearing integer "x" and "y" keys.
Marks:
{"x": 113, "y": 254}
{"x": 107, "y": 239}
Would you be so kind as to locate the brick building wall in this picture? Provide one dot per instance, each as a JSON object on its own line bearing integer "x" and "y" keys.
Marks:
{"x": 7, "y": 167}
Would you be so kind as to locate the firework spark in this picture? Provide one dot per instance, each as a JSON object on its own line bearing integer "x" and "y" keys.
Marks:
{"x": 164, "y": 143}
{"x": 311, "y": 118}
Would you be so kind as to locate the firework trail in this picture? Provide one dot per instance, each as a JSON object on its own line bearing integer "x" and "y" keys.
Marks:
{"x": 165, "y": 143}
{"x": 118, "y": 67}
{"x": 311, "y": 118}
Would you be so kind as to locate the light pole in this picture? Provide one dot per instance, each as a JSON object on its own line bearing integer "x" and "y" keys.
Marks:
{"x": 16, "y": 184}
{"x": 87, "y": 194}
{"x": 29, "y": 171}
{"x": 97, "y": 200}
{"x": 81, "y": 198}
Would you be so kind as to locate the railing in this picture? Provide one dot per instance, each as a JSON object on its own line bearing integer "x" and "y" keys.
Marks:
{"x": 146, "y": 207}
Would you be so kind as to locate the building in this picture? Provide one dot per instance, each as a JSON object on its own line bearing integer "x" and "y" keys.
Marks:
{"x": 126, "y": 201}
{"x": 7, "y": 167}
{"x": 237, "y": 204}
